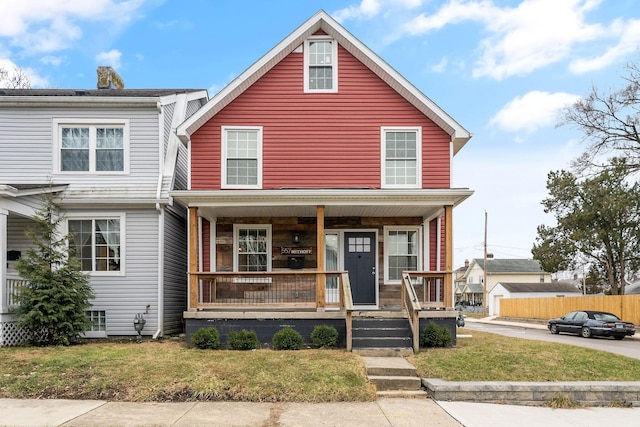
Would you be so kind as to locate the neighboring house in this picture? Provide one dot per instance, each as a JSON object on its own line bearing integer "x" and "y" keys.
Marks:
{"x": 318, "y": 159}
{"x": 505, "y": 270}
{"x": 504, "y": 290}
{"x": 110, "y": 157}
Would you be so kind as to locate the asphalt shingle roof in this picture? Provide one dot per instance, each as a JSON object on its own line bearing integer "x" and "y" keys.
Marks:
{"x": 541, "y": 287}
{"x": 511, "y": 265}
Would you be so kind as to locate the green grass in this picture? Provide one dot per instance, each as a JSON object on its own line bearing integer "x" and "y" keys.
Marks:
{"x": 491, "y": 357}
{"x": 167, "y": 371}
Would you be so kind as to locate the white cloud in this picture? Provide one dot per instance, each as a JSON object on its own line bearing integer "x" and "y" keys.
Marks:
{"x": 52, "y": 60}
{"x": 441, "y": 66}
{"x": 629, "y": 33}
{"x": 111, "y": 57}
{"x": 370, "y": 8}
{"x": 531, "y": 35}
{"x": 532, "y": 111}
{"x": 34, "y": 78}
{"x": 40, "y": 26}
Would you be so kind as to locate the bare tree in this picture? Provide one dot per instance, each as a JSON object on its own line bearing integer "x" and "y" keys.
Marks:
{"x": 610, "y": 123}
{"x": 14, "y": 79}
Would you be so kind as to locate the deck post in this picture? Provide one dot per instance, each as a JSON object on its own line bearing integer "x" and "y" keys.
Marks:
{"x": 193, "y": 257}
{"x": 321, "y": 277}
{"x": 4, "y": 303}
{"x": 448, "y": 256}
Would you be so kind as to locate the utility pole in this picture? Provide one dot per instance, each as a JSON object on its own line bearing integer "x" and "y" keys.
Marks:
{"x": 484, "y": 269}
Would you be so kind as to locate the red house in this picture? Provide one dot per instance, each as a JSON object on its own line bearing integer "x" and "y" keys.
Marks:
{"x": 320, "y": 193}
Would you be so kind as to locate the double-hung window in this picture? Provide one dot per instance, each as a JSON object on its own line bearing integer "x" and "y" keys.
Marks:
{"x": 97, "y": 243}
{"x": 83, "y": 146}
{"x": 241, "y": 157}
{"x": 320, "y": 65}
{"x": 401, "y": 252}
{"x": 401, "y": 157}
{"x": 252, "y": 247}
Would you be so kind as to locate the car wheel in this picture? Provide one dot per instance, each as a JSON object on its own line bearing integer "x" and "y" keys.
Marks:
{"x": 586, "y": 332}
{"x": 554, "y": 329}
{"x": 619, "y": 337}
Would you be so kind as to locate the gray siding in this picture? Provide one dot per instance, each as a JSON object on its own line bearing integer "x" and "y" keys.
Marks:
{"x": 26, "y": 151}
{"x": 175, "y": 270}
{"x": 16, "y": 239}
{"x": 168, "y": 117}
{"x": 124, "y": 296}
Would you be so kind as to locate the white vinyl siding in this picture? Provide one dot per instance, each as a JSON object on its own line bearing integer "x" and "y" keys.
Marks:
{"x": 320, "y": 65}
{"x": 84, "y": 146}
{"x": 241, "y": 157}
{"x": 401, "y": 156}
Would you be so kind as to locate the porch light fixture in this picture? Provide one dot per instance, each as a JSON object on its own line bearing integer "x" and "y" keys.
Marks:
{"x": 296, "y": 237}
{"x": 138, "y": 325}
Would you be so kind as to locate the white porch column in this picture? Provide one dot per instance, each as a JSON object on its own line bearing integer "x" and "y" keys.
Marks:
{"x": 3, "y": 260}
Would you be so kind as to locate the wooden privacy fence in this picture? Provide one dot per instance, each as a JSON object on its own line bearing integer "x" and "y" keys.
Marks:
{"x": 626, "y": 307}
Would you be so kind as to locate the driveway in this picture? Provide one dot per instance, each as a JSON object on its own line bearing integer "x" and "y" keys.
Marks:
{"x": 629, "y": 347}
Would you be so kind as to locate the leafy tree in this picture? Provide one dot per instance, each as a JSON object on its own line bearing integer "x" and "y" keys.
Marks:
{"x": 610, "y": 123}
{"x": 14, "y": 79}
{"x": 598, "y": 223}
{"x": 52, "y": 306}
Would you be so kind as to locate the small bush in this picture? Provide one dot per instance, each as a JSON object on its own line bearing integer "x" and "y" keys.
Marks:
{"x": 243, "y": 340}
{"x": 287, "y": 339}
{"x": 206, "y": 338}
{"x": 435, "y": 336}
{"x": 324, "y": 336}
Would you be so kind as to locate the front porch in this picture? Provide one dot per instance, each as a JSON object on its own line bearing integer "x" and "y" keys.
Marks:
{"x": 267, "y": 301}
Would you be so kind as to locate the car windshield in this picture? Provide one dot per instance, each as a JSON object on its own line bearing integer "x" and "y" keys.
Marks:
{"x": 605, "y": 317}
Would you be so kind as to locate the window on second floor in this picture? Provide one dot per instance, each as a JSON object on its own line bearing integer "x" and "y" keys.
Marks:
{"x": 401, "y": 157}
{"x": 241, "y": 157}
{"x": 83, "y": 146}
{"x": 320, "y": 65}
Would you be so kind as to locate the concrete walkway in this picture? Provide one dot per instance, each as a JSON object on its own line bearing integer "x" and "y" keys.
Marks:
{"x": 383, "y": 412}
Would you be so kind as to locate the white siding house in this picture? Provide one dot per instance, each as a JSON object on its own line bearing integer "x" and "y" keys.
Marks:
{"x": 528, "y": 290}
{"x": 110, "y": 156}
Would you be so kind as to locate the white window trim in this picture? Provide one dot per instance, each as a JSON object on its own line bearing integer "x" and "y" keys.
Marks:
{"x": 97, "y": 334}
{"x": 334, "y": 66}
{"x": 387, "y": 252}
{"x": 223, "y": 183}
{"x": 383, "y": 155}
{"x": 237, "y": 228}
{"x": 123, "y": 238}
{"x": 58, "y": 124}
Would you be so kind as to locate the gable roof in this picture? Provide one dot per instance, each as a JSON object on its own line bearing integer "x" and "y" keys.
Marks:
{"x": 563, "y": 287}
{"x": 322, "y": 21}
{"x": 495, "y": 266}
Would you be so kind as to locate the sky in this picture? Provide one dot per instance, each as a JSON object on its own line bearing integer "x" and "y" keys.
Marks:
{"x": 504, "y": 69}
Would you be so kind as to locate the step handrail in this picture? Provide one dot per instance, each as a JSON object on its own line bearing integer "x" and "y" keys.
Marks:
{"x": 412, "y": 305}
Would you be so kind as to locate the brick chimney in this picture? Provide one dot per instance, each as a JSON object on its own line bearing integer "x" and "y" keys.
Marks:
{"x": 108, "y": 78}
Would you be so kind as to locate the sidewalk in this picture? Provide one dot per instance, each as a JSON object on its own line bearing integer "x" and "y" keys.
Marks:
{"x": 383, "y": 412}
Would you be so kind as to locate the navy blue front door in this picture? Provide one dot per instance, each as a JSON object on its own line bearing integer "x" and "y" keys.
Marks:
{"x": 360, "y": 261}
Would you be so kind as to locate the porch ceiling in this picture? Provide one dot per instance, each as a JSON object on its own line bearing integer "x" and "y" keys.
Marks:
{"x": 337, "y": 203}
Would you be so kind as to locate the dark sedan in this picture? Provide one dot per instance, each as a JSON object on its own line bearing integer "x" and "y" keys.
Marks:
{"x": 592, "y": 323}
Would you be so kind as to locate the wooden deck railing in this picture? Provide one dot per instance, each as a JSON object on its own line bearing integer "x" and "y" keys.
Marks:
{"x": 270, "y": 290}
{"x": 411, "y": 303}
{"x": 430, "y": 288}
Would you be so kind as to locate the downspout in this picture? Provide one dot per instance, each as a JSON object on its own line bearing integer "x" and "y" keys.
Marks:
{"x": 160, "y": 210}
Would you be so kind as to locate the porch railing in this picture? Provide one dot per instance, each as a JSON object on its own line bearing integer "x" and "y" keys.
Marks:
{"x": 303, "y": 290}
{"x": 429, "y": 288}
{"x": 11, "y": 289}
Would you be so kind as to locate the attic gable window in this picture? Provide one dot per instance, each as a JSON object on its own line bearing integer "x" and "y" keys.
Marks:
{"x": 320, "y": 65}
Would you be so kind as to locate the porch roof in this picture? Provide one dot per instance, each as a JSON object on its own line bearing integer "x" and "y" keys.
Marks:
{"x": 337, "y": 202}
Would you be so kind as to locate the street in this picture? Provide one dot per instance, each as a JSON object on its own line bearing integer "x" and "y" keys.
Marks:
{"x": 629, "y": 347}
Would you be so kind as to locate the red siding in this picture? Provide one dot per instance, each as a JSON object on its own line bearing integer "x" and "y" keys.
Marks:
{"x": 319, "y": 140}
{"x": 433, "y": 245}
